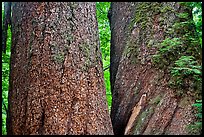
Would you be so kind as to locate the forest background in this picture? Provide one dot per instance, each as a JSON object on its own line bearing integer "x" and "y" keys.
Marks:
{"x": 104, "y": 34}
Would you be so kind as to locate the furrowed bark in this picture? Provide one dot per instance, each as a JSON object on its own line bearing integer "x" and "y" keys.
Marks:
{"x": 56, "y": 80}
{"x": 137, "y": 31}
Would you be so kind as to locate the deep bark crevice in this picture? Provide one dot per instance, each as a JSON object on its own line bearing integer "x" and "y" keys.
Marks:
{"x": 170, "y": 120}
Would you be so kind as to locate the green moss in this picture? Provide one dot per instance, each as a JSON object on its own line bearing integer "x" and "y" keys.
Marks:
{"x": 165, "y": 9}
{"x": 150, "y": 43}
{"x": 171, "y": 50}
{"x": 156, "y": 60}
{"x": 70, "y": 38}
{"x": 85, "y": 50}
{"x": 161, "y": 20}
{"x": 141, "y": 17}
{"x": 143, "y": 20}
{"x": 131, "y": 52}
{"x": 184, "y": 102}
{"x": 194, "y": 129}
{"x": 155, "y": 100}
{"x": 184, "y": 41}
{"x": 142, "y": 117}
{"x": 73, "y": 5}
{"x": 187, "y": 5}
{"x": 58, "y": 58}
{"x": 131, "y": 24}
{"x": 184, "y": 15}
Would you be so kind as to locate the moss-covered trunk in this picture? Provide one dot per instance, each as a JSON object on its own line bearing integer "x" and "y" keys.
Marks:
{"x": 142, "y": 101}
{"x": 56, "y": 79}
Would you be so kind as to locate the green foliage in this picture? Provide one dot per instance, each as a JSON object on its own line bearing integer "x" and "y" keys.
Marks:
{"x": 104, "y": 28}
{"x": 197, "y": 12}
{"x": 186, "y": 67}
{"x": 186, "y": 64}
{"x": 197, "y": 126}
{"x": 168, "y": 51}
{"x": 197, "y": 16}
{"x": 183, "y": 15}
{"x": 5, "y": 78}
{"x": 198, "y": 104}
{"x": 181, "y": 56}
{"x": 104, "y": 34}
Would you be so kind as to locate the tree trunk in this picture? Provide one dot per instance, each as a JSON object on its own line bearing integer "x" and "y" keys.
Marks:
{"x": 56, "y": 79}
{"x": 142, "y": 101}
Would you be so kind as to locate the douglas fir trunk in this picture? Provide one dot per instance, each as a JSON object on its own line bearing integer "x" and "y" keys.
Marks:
{"x": 56, "y": 79}
{"x": 146, "y": 40}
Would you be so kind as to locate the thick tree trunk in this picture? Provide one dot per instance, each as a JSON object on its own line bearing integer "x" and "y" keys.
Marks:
{"x": 56, "y": 79}
{"x": 142, "y": 102}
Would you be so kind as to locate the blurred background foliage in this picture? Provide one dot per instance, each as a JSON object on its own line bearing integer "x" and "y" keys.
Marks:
{"x": 104, "y": 34}
{"x": 5, "y": 77}
{"x": 197, "y": 17}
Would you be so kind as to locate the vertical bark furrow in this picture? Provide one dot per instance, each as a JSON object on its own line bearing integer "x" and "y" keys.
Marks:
{"x": 170, "y": 120}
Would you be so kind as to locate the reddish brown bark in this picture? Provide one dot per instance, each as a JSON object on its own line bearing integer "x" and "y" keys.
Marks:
{"x": 134, "y": 75}
{"x": 56, "y": 79}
